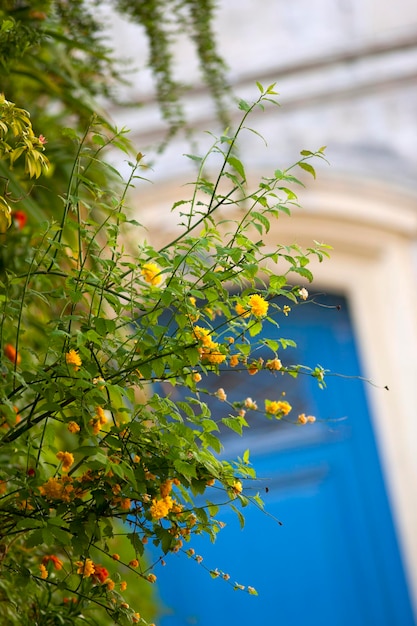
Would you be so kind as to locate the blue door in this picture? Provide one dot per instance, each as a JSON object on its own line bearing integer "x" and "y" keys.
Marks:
{"x": 334, "y": 559}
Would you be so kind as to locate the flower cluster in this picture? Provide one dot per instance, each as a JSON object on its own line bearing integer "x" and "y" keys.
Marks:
{"x": 210, "y": 352}
{"x": 98, "y": 421}
{"x": 277, "y": 408}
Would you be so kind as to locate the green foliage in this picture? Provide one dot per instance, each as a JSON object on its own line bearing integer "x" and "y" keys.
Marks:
{"x": 92, "y": 452}
{"x": 55, "y": 62}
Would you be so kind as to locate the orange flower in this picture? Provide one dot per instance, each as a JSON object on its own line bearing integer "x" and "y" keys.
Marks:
{"x": 73, "y": 427}
{"x": 134, "y": 563}
{"x": 100, "y": 573}
{"x": 19, "y": 218}
{"x": 54, "y": 559}
{"x": 166, "y": 488}
{"x": 123, "y": 585}
{"x": 11, "y": 353}
{"x": 44, "y": 571}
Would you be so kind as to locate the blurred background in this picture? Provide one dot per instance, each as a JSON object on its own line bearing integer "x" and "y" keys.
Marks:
{"x": 345, "y": 489}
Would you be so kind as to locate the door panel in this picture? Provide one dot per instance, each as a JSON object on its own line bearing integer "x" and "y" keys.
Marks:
{"x": 334, "y": 561}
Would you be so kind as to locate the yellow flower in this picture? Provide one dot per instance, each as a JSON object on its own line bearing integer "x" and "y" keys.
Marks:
{"x": 67, "y": 459}
{"x": 125, "y": 504}
{"x": 151, "y": 578}
{"x": 151, "y": 272}
{"x": 44, "y": 571}
{"x": 234, "y": 360}
{"x": 86, "y": 568}
{"x": 237, "y": 487}
{"x": 214, "y": 357}
{"x": 123, "y": 585}
{"x": 203, "y": 335}
{"x": 253, "y": 368}
{"x": 161, "y": 508}
{"x": 110, "y": 584}
{"x": 221, "y": 394}
{"x": 135, "y": 618}
{"x": 286, "y": 310}
{"x": 98, "y": 420}
{"x": 273, "y": 364}
{"x": 250, "y": 404}
{"x": 277, "y": 408}
{"x": 177, "y": 507}
{"x": 241, "y": 310}
{"x": 196, "y": 377}
{"x": 73, "y": 358}
{"x": 57, "y": 489}
{"x": 258, "y": 305}
{"x": 101, "y": 415}
{"x": 73, "y": 427}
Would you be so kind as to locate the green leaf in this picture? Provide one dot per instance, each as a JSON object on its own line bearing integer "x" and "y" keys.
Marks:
{"x": 233, "y": 423}
{"x": 211, "y": 441}
{"x": 240, "y": 516}
{"x": 277, "y": 282}
{"x": 244, "y": 106}
{"x": 308, "y": 168}
{"x": 262, "y": 219}
{"x": 193, "y": 157}
{"x": 104, "y": 326}
{"x": 237, "y": 165}
{"x": 303, "y": 271}
{"x": 186, "y": 469}
{"x": 255, "y": 329}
